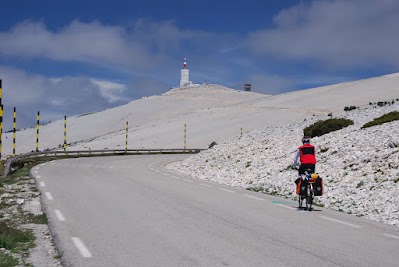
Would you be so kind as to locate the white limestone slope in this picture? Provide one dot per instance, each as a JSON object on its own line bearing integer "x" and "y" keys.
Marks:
{"x": 154, "y": 122}
{"x": 360, "y": 167}
{"x": 211, "y": 112}
{"x": 334, "y": 97}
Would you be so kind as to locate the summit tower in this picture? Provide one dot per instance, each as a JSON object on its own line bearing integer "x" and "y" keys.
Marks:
{"x": 185, "y": 73}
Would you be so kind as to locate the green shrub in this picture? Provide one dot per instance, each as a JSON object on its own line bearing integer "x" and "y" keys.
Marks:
{"x": 391, "y": 116}
{"x": 323, "y": 127}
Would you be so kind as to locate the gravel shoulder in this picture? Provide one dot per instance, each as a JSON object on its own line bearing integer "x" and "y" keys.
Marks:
{"x": 21, "y": 216}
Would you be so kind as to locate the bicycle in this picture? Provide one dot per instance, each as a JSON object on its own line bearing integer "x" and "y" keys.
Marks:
{"x": 310, "y": 179}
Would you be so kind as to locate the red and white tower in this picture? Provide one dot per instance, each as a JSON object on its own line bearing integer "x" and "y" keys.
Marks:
{"x": 184, "y": 78}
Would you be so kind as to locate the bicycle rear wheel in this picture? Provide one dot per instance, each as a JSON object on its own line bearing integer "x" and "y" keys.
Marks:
{"x": 309, "y": 201}
{"x": 300, "y": 201}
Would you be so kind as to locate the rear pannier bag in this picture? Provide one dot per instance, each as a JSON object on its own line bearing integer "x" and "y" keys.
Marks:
{"x": 301, "y": 186}
{"x": 318, "y": 187}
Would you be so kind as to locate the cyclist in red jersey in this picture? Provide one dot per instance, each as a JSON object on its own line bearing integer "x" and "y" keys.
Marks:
{"x": 306, "y": 155}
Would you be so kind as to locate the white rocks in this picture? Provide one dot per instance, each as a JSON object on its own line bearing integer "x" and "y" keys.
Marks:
{"x": 20, "y": 197}
{"x": 20, "y": 201}
{"x": 359, "y": 166}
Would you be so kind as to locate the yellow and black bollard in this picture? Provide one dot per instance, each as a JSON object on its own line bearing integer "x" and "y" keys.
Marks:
{"x": 14, "y": 135}
{"x": 127, "y": 134}
{"x": 1, "y": 118}
{"x": 37, "y": 131}
{"x": 1, "y": 129}
{"x": 65, "y": 131}
{"x": 185, "y": 136}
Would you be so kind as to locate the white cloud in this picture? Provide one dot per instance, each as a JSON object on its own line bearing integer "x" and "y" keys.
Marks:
{"x": 143, "y": 46}
{"x": 340, "y": 33}
{"x": 112, "y": 91}
{"x": 93, "y": 43}
{"x": 55, "y": 96}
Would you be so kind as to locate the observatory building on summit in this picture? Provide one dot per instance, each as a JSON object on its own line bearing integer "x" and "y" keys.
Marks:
{"x": 185, "y": 73}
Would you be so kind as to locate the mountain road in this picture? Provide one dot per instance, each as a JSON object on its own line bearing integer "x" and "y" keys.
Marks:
{"x": 131, "y": 211}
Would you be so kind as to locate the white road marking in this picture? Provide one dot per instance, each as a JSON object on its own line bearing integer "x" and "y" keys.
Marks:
{"x": 59, "y": 215}
{"x": 111, "y": 167}
{"x": 81, "y": 247}
{"x": 36, "y": 172}
{"x": 338, "y": 221}
{"x": 227, "y": 190}
{"x": 42, "y": 184}
{"x": 38, "y": 176}
{"x": 36, "y": 168}
{"x": 188, "y": 181}
{"x": 174, "y": 177}
{"x": 207, "y": 185}
{"x": 258, "y": 198}
{"x": 285, "y": 206}
{"x": 393, "y": 236}
{"x": 49, "y": 196}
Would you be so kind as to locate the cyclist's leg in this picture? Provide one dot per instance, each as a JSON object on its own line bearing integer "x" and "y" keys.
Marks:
{"x": 307, "y": 167}
{"x": 313, "y": 167}
{"x": 301, "y": 170}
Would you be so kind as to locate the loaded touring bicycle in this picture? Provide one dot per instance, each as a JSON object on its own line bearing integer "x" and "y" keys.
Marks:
{"x": 308, "y": 185}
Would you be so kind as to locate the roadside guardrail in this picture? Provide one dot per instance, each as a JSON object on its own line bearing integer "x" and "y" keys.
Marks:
{"x": 95, "y": 153}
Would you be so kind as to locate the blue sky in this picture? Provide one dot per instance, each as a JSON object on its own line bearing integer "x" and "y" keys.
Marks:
{"x": 73, "y": 57}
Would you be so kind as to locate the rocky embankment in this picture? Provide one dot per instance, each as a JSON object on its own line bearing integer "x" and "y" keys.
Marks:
{"x": 360, "y": 167}
{"x": 25, "y": 236}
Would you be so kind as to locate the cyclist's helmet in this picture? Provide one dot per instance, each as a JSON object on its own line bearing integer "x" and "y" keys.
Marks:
{"x": 306, "y": 140}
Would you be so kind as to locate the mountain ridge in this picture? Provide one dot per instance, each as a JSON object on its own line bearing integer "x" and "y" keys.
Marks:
{"x": 211, "y": 113}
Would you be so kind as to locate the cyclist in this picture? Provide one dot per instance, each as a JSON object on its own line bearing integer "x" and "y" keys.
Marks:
{"x": 307, "y": 156}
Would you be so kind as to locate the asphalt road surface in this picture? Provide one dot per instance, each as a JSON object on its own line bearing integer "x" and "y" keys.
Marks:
{"x": 131, "y": 211}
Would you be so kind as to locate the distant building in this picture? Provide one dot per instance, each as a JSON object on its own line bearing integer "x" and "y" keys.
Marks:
{"x": 247, "y": 87}
{"x": 185, "y": 74}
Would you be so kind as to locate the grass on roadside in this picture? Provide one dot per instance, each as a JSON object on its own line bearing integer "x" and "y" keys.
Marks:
{"x": 15, "y": 239}
{"x": 15, "y": 177}
{"x": 27, "y": 217}
{"x": 37, "y": 219}
{"x": 4, "y": 205}
{"x": 7, "y": 260}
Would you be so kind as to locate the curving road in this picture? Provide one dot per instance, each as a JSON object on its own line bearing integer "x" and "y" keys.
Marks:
{"x": 130, "y": 211}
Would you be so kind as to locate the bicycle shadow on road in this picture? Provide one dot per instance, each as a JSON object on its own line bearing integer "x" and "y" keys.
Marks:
{"x": 304, "y": 209}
